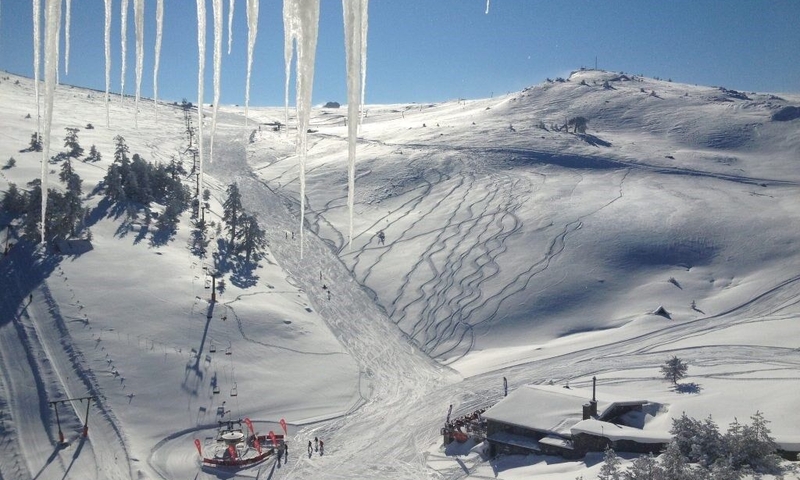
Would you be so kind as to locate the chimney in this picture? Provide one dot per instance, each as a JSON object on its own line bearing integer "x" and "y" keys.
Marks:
{"x": 593, "y": 403}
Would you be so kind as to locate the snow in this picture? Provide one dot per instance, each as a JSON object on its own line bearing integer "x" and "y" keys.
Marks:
{"x": 550, "y": 408}
{"x": 616, "y": 432}
{"x": 548, "y": 254}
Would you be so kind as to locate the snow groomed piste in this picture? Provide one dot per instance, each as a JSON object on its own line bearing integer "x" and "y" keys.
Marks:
{"x": 233, "y": 448}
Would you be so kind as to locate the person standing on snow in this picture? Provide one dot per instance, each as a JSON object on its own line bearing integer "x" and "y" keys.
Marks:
{"x": 321, "y": 448}
{"x": 316, "y": 444}
{"x": 310, "y": 451}
{"x": 381, "y": 237}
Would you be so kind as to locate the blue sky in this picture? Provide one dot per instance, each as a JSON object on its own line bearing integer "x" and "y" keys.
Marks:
{"x": 434, "y": 50}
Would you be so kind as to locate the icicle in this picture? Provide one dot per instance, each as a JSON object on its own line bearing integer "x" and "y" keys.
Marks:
{"x": 67, "y": 22}
{"x": 201, "y": 66}
{"x": 252, "y": 33}
{"x": 123, "y": 38}
{"x": 217, "y": 4}
{"x": 157, "y": 61}
{"x": 487, "y": 7}
{"x": 230, "y": 25}
{"x": 354, "y": 33}
{"x": 307, "y": 22}
{"x": 37, "y": 62}
{"x": 107, "y": 38}
{"x": 57, "y": 54}
{"x": 138, "y": 20}
{"x": 52, "y": 31}
{"x": 364, "y": 28}
{"x": 289, "y": 35}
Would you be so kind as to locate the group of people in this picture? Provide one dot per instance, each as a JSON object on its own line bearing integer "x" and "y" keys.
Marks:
{"x": 470, "y": 421}
{"x": 318, "y": 446}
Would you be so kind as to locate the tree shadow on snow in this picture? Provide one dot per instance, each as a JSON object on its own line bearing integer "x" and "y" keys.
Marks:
{"x": 690, "y": 387}
{"x": 243, "y": 276}
{"x": 593, "y": 140}
{"x": 21, "y": 271}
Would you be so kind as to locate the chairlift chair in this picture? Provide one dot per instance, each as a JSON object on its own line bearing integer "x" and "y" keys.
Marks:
{"x": 234, "y": 391}
{"x": 215, "y": 391}
{"x": 212, "y": 349}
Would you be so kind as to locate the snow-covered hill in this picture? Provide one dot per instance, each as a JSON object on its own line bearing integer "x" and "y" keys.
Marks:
{"x": 510, "y": 250}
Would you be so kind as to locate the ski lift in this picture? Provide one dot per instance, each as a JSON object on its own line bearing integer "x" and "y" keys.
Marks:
{"x": 212, "y": 349}
{"x": 234, "y": 391}
{"x": 228, "y": 351}
{"x": 215, "y": 391}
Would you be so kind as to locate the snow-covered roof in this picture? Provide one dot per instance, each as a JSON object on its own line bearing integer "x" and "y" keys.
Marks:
{"x": 550, "y": 408}
{"x": 616, "y": 432}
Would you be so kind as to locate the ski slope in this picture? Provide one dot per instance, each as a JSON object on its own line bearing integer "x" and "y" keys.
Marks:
{"x": 511, "y": 251}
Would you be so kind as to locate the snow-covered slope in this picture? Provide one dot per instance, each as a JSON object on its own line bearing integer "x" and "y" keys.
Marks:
{"x": 510, "y": 250}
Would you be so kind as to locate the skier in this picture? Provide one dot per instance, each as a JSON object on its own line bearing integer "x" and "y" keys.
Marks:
{"x": 285, "y": 453}
{"x": 316, "y": 444}
{"x": 321, "y": 448}
{"x": 381, "y": 237}
{"x": 309, "y": 448}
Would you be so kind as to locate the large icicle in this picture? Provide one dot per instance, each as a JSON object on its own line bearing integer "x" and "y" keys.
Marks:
{"x": 252, "y": 33}
{"x": 487, "y": 7}
{"x": 51, "y": 36}
{"x": 37, "y": 62}
{"x": 201, "y": 66}
{"x": 307, "y": 23}
{"x": 138, "y": 20}
{"x": 67, "y": 22}
{"x": 157, "y": 60}
{"x": 107, "y": 39}
{"x": 354, "y": 12}
{"x": 364, "y": 28}
{"x": 230, "y": 25}
{"x": 289, "y": 36}
{"x": 217, "y": 7}
{"x": 123, "y": 46}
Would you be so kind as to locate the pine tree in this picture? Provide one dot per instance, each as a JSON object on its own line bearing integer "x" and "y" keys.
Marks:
{"x": 13, "y": 201}
{"x": 758, "y": 446}
{"x": 33, "y": 211}
{"x": 674, "y": 369}
{"x": 674, "y": 463}
{"x": 71, "y": 142}
{"x": 120, "y": 150}
{"x": 254, "y": 239}
{"x": 611, "y": 467}
{"x": 113, "y": 183}
{"x": 708, "y": 446}
{"x": 644, "y": 468}
{"x": 94, "y": 155}
{"x": 36, "y": 143}
{"x": 232, "y": 210}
